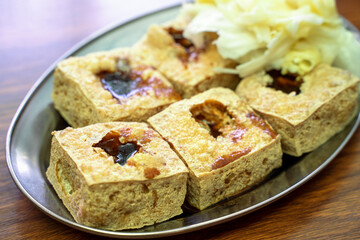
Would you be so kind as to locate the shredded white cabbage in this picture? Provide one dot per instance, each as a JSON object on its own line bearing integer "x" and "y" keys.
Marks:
{"x": 291, "y": 35}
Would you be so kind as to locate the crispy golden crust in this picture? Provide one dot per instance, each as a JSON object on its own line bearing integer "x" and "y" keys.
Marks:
{"x": 243, "y": 153}
{"x": 326, "y": 104}
{"x": 189, "y": 73}
{"x": 82, "y": 100}
{"x": 149, "y": 188}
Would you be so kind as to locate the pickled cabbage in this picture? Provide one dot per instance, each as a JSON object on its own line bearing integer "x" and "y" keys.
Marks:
{"x": 291, "y": 35}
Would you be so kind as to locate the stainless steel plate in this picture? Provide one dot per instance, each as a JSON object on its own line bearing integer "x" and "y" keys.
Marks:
{"x": 28, "y": 147}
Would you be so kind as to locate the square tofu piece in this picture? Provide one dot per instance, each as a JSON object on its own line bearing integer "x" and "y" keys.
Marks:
{"x": 117, "y": 175}
{"x": 225, "y": 145}
{"x": 189, "y": 69}
{"x": 306, "y": 112}
{"x": 109, "y": 86}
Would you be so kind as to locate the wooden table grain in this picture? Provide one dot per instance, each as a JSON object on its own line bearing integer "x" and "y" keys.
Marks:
{"x": 33, "y": 34}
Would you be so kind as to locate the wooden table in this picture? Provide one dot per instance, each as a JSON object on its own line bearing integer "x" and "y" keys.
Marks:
{"x": 33, "y": 34}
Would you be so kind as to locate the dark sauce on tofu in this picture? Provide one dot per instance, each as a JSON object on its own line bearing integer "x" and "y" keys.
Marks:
{"x": 226, "y": 159}
{"x": 179, "y": 38}
{"x": 218, "y": 120}
{"x": 190, "y": 50}
{"x": 126, "y": 82}
{"x": 214, "y": 116}
{"x": 287, "y": 83}
{"x": 121, "y": 152}
{"x": 260, "y": 123}
{"x": 211, "y": 115}
{"x": 150, "y": 173}
{"x": 118, "y": 84}
{"x": 123, "y": 82}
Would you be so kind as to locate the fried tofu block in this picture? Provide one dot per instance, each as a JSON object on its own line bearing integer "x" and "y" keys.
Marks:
{"x": 189, "y": 69}
{"x": 305, "y": 116}
{"x": 226, "y": 146}
{"x": 117, "y": 175}
{"x": 109, "y": 86}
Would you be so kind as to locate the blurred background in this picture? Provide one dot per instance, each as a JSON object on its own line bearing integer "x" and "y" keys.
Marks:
{"x": 34, "y": 34}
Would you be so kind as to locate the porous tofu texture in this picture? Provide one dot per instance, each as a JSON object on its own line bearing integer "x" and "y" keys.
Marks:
{"x": 243, "y": 150}
{"x": 81, "y": 98}
{"x": 190, "y": 71}
{"x": 325, "y": 105}
{"x": 98, "y": 192}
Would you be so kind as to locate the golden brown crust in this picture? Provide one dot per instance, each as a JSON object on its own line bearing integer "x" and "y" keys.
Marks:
{"x": 189, "y": 73}
{"x": 98, "y": 192}
{"x": 82, "y": 100}
{"x": 326, "y": 104}
{"x": 226, "y": 153}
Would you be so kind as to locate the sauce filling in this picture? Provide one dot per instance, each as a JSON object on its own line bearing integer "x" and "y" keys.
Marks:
{"x": 191, "y": 53}
{"x": 118, "y": 84}
{"x": 214, "y": 117}
{"x": 121, "y": 152}
{"x": 126, "y": 82}
{"x": 226, "y": 159}
{"x": 285, "y": 83}
{"x": 260, "y": 123}
{"x": 150, "y": 173}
